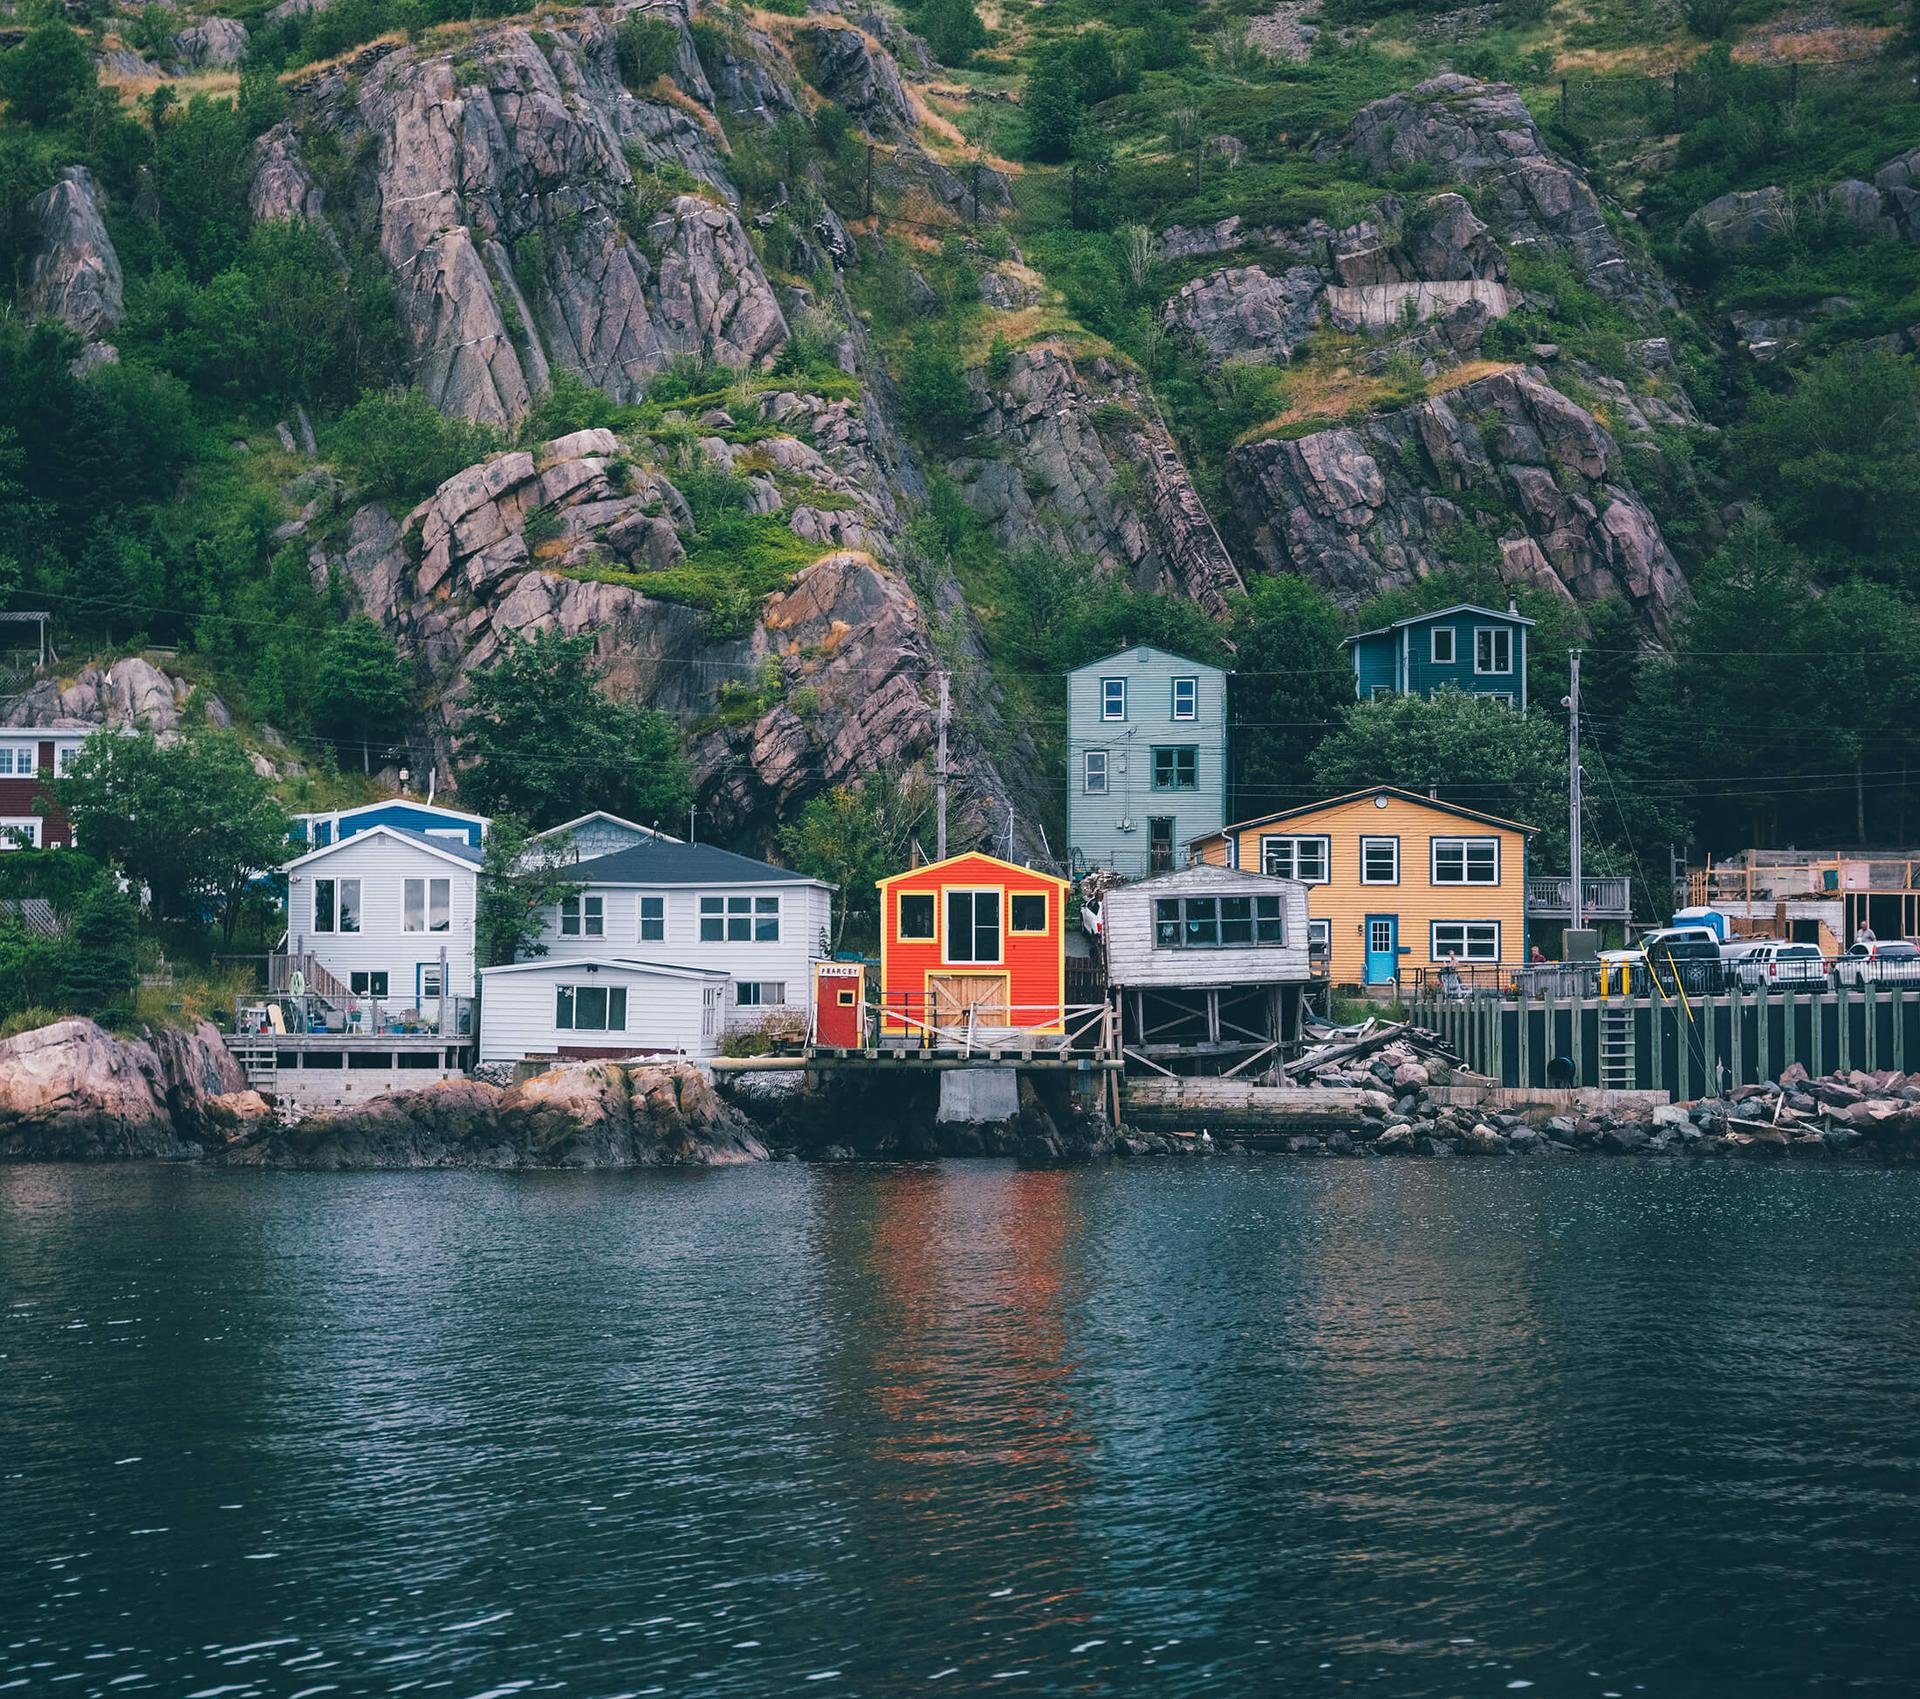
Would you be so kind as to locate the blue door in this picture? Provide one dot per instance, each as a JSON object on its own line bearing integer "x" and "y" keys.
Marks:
{"x": 1383, "y": 948}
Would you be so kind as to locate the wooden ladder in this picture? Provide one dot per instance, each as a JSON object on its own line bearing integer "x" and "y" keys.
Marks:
{"x": 1616, "y": 1047}
{"x": 258, "y": 1060}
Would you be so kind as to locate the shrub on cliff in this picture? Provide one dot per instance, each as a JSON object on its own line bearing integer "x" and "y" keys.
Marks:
{"x": 399, "y": 444}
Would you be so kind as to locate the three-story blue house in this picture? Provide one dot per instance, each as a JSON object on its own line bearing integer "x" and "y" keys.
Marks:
{"x": 1471, "y": 648}
{"x": 1146, "y": 759}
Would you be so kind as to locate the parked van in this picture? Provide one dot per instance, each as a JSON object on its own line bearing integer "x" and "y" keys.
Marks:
{"x": 1758, "y": 964}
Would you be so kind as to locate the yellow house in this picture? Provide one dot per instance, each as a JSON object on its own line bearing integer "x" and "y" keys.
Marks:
{"x": 1395, "y": 881}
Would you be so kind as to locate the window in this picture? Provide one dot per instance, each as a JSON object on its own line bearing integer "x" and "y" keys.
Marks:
{"x": 1113, "y": 699}
{"x": 590, "y": 1008}
{"x": 429, "y": 980}
{"x": 1186, "y": 699}
{"x": 916, "y": 914}
{"x": 19, "y": 833}
{"x": 1493, "y": 649}
{"x": 740, "y": 920}
{"x": 427, "y": 905}
{"x": 973, "y": 926}
{"x": 1466, "y": 861}
{"x": 370, "y": 984}
{"x": 1205, "y": 923}
{"x": 1027, "y": 912}
{"x": 15, "y": 760}
{"x": 653, "y": 919}
{"x": 1379, "y": 861}
{"x": 1160, "y": 843}
{"x": 1176, "y": 767}
{"x": 583, "y": 917}
{"x": 336, "y": 905}
{"x": 1470, "y": 940}
{"x": 1096, "y": 772}
{"x": 1295, "y": 858}
{"x": 759, "y": 993}
{"x": 1441, "y": 645}
{"x": 1320, "y": 935}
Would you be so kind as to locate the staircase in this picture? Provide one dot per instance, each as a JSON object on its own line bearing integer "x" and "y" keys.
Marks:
{"x": 257, "y": 1058}
{"x": 1616, "y": 1048}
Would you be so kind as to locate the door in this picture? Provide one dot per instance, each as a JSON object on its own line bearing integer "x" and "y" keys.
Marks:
{"x": 836, "y": 1005}
{"x": 710, "y": 1010}
{"x": 1383, "y": 948}
{"x": 1160, "y": 844}
{"x": 963, "y": 999}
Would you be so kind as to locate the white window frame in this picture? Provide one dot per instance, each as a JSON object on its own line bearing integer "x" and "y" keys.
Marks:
{"x": 1439, "y": 951}
{"x": 1465, "y": 846}
{"x": 20, "y": 831}
{"x": 429, "y": 981}
{"x": 566, "y": 999}
{"x": 426, "y": 884}
{"x": 1393, "y": 844}
{"x": 1319, "y": 934}
{"x": 1094, "y": 760}
{"x": 1293, "y": 842}
{"x": 337, "y": 928}
{"x": 747, "y": 919}
{"x": 1191, "y": 687}
{"x": 945, "y": 919}
{"x": 765, "y": 993}
{"x": 659, "y": 919}
{"x": 589, "y": 916}
{"x": 1110, "y": 689}
{"x": 10, "y": 755}
{"x": 1491, "y": 632}
{"x": 1452, "y": 656}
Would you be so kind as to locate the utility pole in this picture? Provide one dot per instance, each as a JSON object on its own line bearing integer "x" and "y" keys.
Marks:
{"x": 940, "y": 781}
{"x": 690, "y": 808}
{"x": 1573, "y": 778}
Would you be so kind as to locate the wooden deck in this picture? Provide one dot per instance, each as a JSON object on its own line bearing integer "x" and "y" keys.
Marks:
{"x": 1250, "y": 1112}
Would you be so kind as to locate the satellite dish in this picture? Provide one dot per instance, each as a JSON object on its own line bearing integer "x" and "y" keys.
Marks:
{"x": 297, "y": 984}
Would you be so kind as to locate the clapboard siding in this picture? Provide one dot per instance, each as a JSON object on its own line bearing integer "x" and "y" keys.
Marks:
{"x": 664, "y": 1012}
{"x": 805, "y": 919}
{"x": 383, "y": 864}
{"x": 1133, "y": 959}
{"x": 1094, "y": 821}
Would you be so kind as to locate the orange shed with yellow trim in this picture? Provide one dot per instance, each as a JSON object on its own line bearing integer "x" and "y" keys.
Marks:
{"x": 972, "y": 941}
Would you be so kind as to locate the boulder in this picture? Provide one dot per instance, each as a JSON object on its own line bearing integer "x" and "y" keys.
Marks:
{"x": 1623, "y": 1141}
{"x": 1410, "y": 1074}
{"x": 209, "y": 44}
{"x": 1744, "y": 218}
{"x": 1248, "y": 311}
{"x": 1482, "y": 1140}
{"x": 1397, "y": 1140}
{"x": 73, "y": 273}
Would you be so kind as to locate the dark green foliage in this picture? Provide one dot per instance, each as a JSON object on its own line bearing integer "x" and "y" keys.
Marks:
{"x": 520, "y": 881}
{"x": 98, "y": 968}
{"x": 47, "y": 75}
{"x": 263, "y": 102}
{"x": 646, "y": 48}
{"x": 539, "y": 736}
{"x": 1053, "y": 102}
{"x": 952, "y": 28}
{"x": 852, "y": 836}
{"x": 26, "y": 168}
{"x": 1710, "y": 19}
{"x": 1166, "y": 42}
{"x": 1839, "y": 454}
{"x": 201, "y": 168}
{"x": 190, "y": 820}
{"x": 399, "y": 444}
{"x": 572, "y": 404}
{"x": 934, "y": 388}
{"x": 362, "y": 692}
{"x": 1291, "y": 683}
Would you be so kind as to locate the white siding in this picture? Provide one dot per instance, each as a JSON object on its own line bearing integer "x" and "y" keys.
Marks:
{"x": 1132, "y": 958}
{"x": 664, "y": 1013}
{"x": 383, "y": 864}
{"x": 805, "y": 916}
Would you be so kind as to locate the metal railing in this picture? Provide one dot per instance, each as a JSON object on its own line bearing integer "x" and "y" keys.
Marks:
{"x": 1696, "y": 977}
{"x": 1605, "y": 897}
{"x": 311, "y": 1016}
{"x": 931, "y": 1023}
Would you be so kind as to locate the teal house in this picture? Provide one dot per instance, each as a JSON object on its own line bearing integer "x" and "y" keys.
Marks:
{"x": 1146, "y": 759}
{"x": 1471, "y": 648}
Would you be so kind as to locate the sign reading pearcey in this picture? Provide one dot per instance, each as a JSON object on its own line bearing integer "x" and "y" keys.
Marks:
{"x": 837, "y": 1003}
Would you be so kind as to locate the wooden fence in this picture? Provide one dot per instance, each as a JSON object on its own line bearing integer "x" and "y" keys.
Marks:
{"x": 1679, "y": 1044}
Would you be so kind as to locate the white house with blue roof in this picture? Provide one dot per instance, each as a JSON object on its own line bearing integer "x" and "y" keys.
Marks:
{"x": 388, "y": 912}
{"x": 330, "y": 826}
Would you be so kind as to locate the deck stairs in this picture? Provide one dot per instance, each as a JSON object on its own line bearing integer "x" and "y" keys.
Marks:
{"x": 1616, "y": 1048}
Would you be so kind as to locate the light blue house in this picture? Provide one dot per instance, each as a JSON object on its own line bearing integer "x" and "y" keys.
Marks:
{"x": 1471, "y": 648}
{"x": 401, "y": 812}
{"x": 1146, "y": 759}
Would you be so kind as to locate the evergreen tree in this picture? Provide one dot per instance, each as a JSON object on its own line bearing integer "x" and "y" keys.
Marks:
{"x": 519, "y": 881}
{"x": 98, "y": 962}
{"x": 1291, "y": 683}
{"x": 362, "y": 693}
{"x": 1053, "y": 102}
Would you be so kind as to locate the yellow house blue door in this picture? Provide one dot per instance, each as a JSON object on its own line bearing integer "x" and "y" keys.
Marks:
{"x": 1383, "y": 948}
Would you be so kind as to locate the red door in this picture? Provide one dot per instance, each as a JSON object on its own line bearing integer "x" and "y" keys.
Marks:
{"x": 837, "y": 1014}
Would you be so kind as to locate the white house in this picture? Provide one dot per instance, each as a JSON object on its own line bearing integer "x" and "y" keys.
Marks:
{"x": 378, "y": 909}
{"x": 600, "y": 833}
{"x": 697, "y": 906}
{"x": 599, "y": 1005}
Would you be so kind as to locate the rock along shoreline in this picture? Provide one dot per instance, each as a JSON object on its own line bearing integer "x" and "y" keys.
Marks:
{"x": 72, "y": 1092}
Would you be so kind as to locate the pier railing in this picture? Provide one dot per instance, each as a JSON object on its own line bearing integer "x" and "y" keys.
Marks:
{"x": 1696, "y": 978}
{"x": 312, "y": 1017}
{"x": 917, "y": 1019}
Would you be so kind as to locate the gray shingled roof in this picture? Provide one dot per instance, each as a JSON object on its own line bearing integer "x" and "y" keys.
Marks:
{"x": 661, "y": 863}
{"x": 453, "y": 846}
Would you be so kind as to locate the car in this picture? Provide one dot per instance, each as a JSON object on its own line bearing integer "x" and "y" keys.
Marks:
{"x": 1684, "y": 958}
{"x": 1895, "y": 962}
{"x": 1760, "y": 964}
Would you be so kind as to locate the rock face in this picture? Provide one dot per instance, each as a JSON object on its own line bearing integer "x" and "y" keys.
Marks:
{"x": 1889, "y": 206}
{"x": 210, "y": 44}
{"x": 74, "y": 274}
{"x": 1378, "y": 504}
{"x": 501, "y": 191}
{"x": 1247, "y": 311}
{"x": 1084, "y": 462}
{"x": 1482, "y": 134}
{"x": 579, "y": 1115}
{"x": 131, "y": 692}
{"x": 73, "y": 1092}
